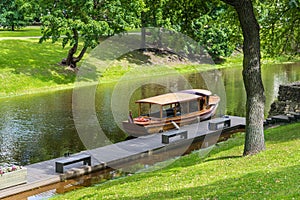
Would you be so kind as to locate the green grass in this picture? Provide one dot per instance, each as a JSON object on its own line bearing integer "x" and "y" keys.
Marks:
{"x": 115, "y": 72}
{"x": 23, "y": 32}
{"x": 223, "y": 174}
{"x": 27, "y": 66}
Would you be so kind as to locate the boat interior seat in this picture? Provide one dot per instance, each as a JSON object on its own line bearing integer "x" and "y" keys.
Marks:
{"x": 155, "y": 114}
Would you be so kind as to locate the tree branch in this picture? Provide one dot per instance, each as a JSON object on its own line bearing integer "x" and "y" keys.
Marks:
{"x": 79, "y": 57}
{"x": 233, "y": 3}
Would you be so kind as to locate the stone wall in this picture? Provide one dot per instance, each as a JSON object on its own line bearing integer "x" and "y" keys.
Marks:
{"x": 288, "y": 100}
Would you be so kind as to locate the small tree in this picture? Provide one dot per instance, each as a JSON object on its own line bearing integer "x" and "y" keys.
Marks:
{"x": 86, "y": 21}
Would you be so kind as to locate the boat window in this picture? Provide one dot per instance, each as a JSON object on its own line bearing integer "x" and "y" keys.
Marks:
{"x": 184, "y": 108}
{"x": 170, "y": 110}
{"x": 193, "y": 106}
{"x": 155, "y": 111}
{"x": 145, "y": 109}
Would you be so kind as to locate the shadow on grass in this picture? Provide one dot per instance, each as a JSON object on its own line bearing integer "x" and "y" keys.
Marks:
{"x": 282, "y": 184}
{"x": 222, "y": 158}
{"x": 136, "y": 57}
{"x": 151, "y": 56}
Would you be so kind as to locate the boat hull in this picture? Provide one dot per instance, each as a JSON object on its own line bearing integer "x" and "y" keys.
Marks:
{"x": 157, "y": 126}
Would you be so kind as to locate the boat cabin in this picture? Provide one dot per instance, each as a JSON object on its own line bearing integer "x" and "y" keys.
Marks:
{"x": 171, "y": 105}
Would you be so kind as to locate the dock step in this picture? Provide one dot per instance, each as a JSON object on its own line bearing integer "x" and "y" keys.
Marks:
{"x": 281, "y": 118}
{"x": 296, "y": 115}
{"x": 219, "y": 123}
{"x": 291, "y": 117}
{"x": 270, "y": 121}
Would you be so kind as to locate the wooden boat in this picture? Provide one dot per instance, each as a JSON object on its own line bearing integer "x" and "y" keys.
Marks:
{"x": 169, "y": 111}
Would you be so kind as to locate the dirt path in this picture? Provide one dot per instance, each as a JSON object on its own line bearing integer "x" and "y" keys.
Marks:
{"x": 19, "y": 38}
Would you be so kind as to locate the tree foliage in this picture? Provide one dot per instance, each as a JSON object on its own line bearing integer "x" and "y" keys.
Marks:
{"x": 280, "y": 26}
{"x": 86, "y": 20}
{"x": 212, "y": 23}
{"x": 215, "y": 26}
{"x": 208, "y": 22}
{"x": 218, "y": 31}
{"x": 14, "y": 14}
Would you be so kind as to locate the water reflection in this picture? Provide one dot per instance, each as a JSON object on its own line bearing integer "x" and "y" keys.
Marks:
{"x": 39, "y": 127}
{"x": 272, "y": 75}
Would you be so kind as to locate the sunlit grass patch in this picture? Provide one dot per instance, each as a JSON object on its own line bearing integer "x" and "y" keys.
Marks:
{"x": 26, "y": 65}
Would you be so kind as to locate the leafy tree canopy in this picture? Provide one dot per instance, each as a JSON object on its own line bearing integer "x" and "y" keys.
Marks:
{"x": 14, "y": 14}
{"x": 211, "y": 23}
{"x": 280, "y": 26}
{"x": 86, "y": 19}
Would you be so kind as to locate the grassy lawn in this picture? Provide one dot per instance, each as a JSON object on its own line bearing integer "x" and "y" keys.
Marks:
{"x": 223, "y": 174}
{"x": 23, "y": 32}
{"x": 27, "y": 66}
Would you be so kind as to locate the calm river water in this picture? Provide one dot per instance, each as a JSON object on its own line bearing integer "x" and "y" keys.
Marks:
{"x": 39, "y": 127}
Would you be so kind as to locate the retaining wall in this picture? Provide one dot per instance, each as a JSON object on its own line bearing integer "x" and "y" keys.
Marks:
{"x": 288, "y": 99}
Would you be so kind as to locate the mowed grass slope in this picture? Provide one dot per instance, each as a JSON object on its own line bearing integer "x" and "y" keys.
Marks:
{"x": 26, "y": 66}
{"x": 224, "y": 174}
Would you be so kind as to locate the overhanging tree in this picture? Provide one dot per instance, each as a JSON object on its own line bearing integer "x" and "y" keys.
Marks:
{"x": 87, "y": 21}
{"x": 210, "y": 23}
{"x": 254, "y": 141}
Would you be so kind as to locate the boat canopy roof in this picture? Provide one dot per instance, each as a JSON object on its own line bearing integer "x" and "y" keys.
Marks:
{"x": 197, "y": 92}
{"x": 170, "y": 98}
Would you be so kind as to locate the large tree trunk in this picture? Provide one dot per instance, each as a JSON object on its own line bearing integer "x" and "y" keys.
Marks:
{"x": 143, "y": 38}
{"x": 254, "y": 141}
{"x": 143, "y": 31}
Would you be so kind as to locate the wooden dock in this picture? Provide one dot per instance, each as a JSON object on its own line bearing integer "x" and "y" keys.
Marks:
{"x": 123, "y": 153}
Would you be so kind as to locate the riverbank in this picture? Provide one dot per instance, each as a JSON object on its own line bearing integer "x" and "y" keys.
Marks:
{"x": 223, "y": 174}
{"x": 28, "y": 67}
